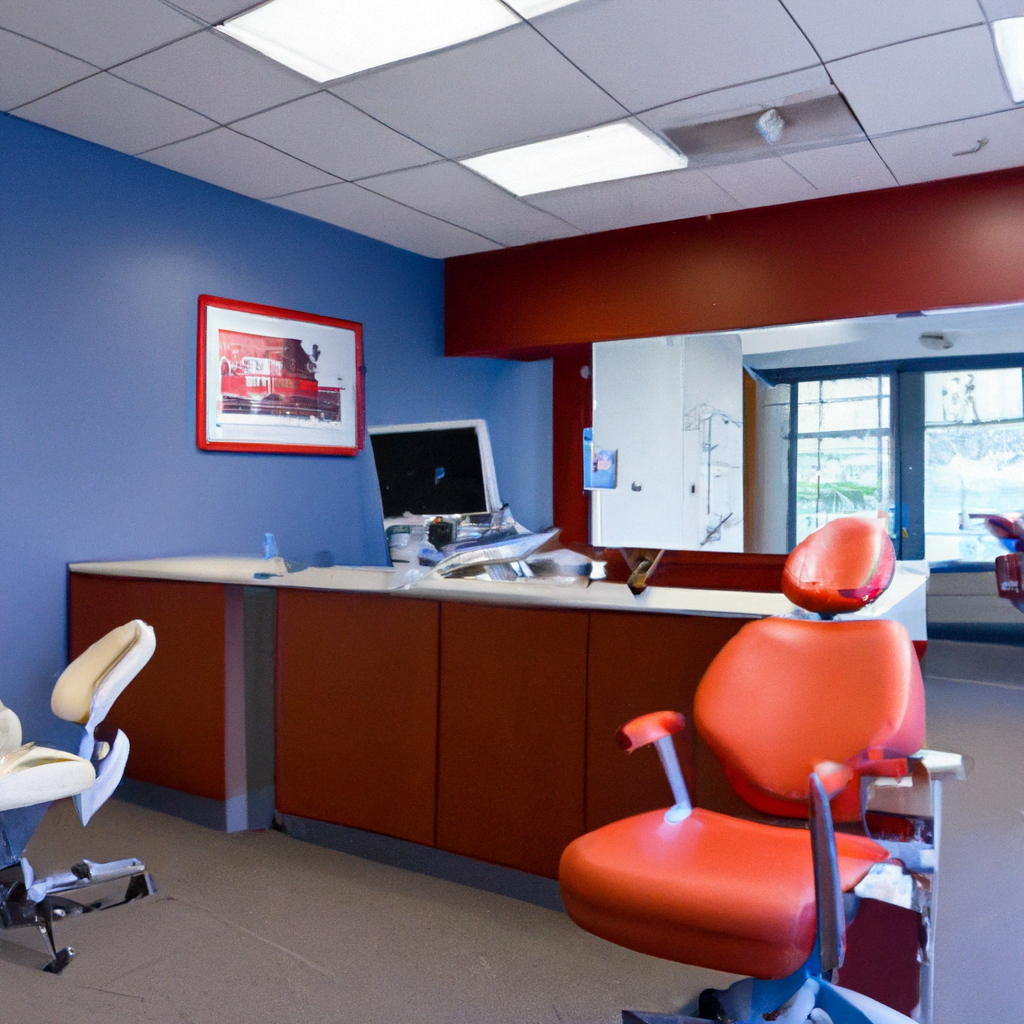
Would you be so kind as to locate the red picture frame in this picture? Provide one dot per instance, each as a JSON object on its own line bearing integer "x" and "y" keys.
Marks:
{"x": 270, "y": 379}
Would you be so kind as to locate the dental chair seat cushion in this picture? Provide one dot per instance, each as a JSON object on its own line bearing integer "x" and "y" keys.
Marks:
{"x": 712, "y": 891}
{"x": 73, "y": 693}
{"x": 840, "y": 568}
{"x": 35, "y": 775}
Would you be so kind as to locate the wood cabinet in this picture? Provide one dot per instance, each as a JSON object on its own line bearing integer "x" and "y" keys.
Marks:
{"x": 486, "y": 730}
{"x": 173, "y": 711}
{"x": 356, "y": 711}
{"x": 639, "y": 663}
{"x": 511, "y": 734}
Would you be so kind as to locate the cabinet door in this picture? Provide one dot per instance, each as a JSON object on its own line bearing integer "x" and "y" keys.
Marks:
{"x": 356, "y": 710}
{"x": 640, "y": 663}
{"x": 511, "y": 735}
{"x": 173, "y": 711}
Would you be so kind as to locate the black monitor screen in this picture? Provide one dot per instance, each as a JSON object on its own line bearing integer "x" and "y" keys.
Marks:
{"x": 430, "y": 472}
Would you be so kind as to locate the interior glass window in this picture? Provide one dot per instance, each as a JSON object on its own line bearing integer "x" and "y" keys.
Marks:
{"x": 844, "y": 451}
{"x": 974, "y": 460}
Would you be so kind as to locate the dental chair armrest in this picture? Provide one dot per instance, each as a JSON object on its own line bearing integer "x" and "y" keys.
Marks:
{"x": 649, "y": 729}
{"x": 827, "y": 890}
{"x": 658, "y": 727}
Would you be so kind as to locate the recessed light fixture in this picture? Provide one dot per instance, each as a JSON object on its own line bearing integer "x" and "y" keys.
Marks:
{"x": 936, "y": 342}
{"x": 620, "y": 150}
{"x": 329, "y": 39}
{"x": 1009, "y": 36}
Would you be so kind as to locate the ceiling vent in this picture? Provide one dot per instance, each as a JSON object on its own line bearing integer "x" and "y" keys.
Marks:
{"x": 809, "y": 124}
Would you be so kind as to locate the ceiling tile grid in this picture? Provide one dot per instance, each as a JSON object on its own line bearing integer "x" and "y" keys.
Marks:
{"x": 239, "y": 163}
{"x": 31, "y": 70}
{"x": 358, "y": 209}
{"x": 329, "y": 133}
{"x": 152, "y": 78}
{"x": 452, "y": 193}
{"x": 501, "y": 90}
{"x": 105, "y": 110}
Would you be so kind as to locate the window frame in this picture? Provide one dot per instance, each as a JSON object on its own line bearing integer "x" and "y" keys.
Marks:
{"x": 906, "y": 418}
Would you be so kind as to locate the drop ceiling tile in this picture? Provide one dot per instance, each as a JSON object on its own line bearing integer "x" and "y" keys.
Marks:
{"x": 606, "y": 205}
{"x": 762, "y": 182}
{"x": 841, "y": 27}
{"x": 31, "y": 70}
{"x": 113, "y": 113}
{"x": 238, "y": 163}
{"x": 215, "y": 77}
{"x": 103, "y": 32}
{"x": 926, "y": 154}
{"x": 741, "y": 99}
{"x": 839, "y": 169}
{"x": 215, "y": 11}
{"x": 650, "y": 52}
{"x": 503, "y": 89}
{"x": 997, "y": 9}
{"x": 352, "y": 207}
{"x": 461, "y": 197}
{"x": 924, "y": 81}
{"x": 328, "y": 133}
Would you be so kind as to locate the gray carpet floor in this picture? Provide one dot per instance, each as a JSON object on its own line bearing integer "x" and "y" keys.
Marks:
{"x": 259, "y": 927}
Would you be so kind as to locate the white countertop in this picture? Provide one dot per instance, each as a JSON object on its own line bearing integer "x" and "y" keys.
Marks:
{"x": 242, "y": 571}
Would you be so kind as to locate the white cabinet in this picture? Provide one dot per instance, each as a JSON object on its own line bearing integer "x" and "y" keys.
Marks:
{"x": 672, "y": 407}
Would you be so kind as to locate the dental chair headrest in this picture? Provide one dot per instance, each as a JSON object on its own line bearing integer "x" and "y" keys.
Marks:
{"x": 99, "y": 674}
{"x": 840, "y": 568}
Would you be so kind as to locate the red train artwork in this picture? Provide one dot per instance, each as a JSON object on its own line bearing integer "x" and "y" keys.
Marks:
{"x": 275, "y": 376}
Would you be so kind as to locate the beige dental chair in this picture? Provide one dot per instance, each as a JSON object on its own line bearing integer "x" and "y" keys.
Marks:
{"x": 32, "y": 777}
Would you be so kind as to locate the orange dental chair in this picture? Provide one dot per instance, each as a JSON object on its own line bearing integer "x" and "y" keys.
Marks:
{"x": 812, "y": 718}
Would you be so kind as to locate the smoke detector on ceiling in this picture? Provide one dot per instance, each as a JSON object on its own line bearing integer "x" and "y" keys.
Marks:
{"x": 936, "y": 342}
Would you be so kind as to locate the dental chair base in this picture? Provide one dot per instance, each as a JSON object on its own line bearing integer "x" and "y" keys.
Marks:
{"x": 29, "y": 902}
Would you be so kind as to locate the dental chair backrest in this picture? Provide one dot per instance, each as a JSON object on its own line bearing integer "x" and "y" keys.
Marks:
{"x": 840, "y": 693}
{"x": 88, "y": 687}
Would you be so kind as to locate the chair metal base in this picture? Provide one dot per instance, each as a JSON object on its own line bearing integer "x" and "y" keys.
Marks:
{"x": 28, "y": 902}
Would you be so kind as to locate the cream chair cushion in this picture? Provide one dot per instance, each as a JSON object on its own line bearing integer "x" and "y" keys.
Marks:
{"x": 73, "y": 693}
{"x": 34, "y": 775}
{"x": 10, "y": 731}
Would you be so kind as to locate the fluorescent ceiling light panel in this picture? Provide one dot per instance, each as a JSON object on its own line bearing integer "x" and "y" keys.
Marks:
{"x": 607, "y": 153}
{"x": 1009, "y": 37}
{"x": 329, "y": 39}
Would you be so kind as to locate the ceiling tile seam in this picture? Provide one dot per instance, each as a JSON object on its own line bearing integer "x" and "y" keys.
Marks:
{"x": 424, "y": 213}
{"x": 799, "y": 174}
{"x": 900, "y": 42}
{"x": 940, "y": 124}
{"x": 573, "y": 64}
{"x": 52, "y": 92}
{"x": 153, "y": 49}
{"x": 327, "y": 92}
{"x": 259, "y": 142}
{"x": 377, "y": 195}
{"x": 174, "y": 142}
{"x": 842, "y": 95}
{"x": 719, "y": 185}
{"x": 49, "y": 46}
{"x": 192, "y": 16}
{"x": 152, "y": 92}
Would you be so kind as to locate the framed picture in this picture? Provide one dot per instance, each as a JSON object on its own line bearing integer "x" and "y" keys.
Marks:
{"x": 276, "y": 380}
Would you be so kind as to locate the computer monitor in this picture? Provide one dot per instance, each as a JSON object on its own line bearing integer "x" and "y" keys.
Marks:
{"x": 435, "y": 469}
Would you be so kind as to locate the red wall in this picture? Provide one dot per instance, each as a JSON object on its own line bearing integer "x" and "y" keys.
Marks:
{"x": 946, "y": 243}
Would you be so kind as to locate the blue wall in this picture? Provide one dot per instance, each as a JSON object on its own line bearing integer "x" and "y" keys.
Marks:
{"x": 102, "y": 258}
